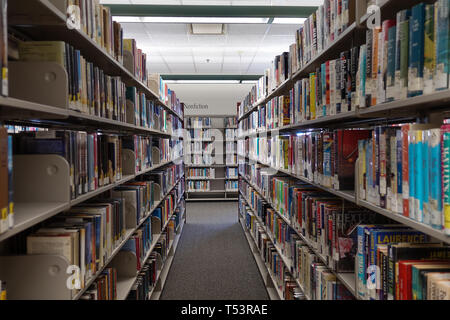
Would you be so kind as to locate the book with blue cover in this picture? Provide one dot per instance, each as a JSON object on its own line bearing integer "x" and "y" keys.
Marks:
{"x": 442, "y": 45}
{"x": 416, "y": 50}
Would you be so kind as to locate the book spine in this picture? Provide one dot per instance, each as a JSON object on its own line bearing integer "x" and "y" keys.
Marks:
{"x": 446, "y": 179}
{"x": 405, "y": 171}
{"x": 416, "y": 51}
{"x": 435, "y": 178}
{"x": 412, "y": 172}
{"x": 420, "y": 168}
{"x": 442, "y": 72}
{"x": 404, "y": 56}
{"x": 391, "y": 64}
{"x": 430, "y": 49}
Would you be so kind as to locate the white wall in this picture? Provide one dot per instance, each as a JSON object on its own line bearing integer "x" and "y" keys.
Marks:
{"x": 221, "y": 99}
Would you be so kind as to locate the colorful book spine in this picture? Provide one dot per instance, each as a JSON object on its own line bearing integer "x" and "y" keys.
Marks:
{"x": 416, "y": 51}
{"x": 430, "y": 49}
{"x": 446, "y": 177}
{"x": 391, "y": 59}
{"x": 435, "y": 178}
{"x": 442, "y": 45}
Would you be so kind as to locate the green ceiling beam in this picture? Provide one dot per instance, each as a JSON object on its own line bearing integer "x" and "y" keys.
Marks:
{"x": 210, "y": 11}
{"x": 209, "y": 77}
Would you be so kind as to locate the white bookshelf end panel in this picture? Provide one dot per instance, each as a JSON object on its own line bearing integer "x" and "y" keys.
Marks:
{"x": 41, "y": 178}
{"x": 36, "y": 277}
{"x": 40, "y": 82}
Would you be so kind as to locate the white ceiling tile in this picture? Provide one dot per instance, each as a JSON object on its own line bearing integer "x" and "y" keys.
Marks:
{"x": 208, "y": 67}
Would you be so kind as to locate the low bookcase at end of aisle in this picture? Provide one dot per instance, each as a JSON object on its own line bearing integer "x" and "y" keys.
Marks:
{"x": 210, "y": 158}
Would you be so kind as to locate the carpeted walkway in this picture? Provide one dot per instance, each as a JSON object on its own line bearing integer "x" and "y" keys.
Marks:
{"x": 213, "y": 260}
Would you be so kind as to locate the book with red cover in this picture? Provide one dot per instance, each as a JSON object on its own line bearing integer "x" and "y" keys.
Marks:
{"x": 346, "y": 154}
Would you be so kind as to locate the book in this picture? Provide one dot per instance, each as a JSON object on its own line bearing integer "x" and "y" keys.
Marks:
{"x": 4, "y": 181}
{"x": 416, "y": 50}
{"x": 442, "y": 72}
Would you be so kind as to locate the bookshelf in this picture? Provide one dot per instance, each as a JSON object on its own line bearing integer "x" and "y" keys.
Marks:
{"x": 209, "y": 146}
{"x": 43, "y": 183}
{"x": 274, "y": 119}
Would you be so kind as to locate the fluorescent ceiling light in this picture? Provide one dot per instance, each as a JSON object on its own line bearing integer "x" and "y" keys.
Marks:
{"x": 203, "y": 81}
{"x": 289, "y": 20}
{"x": 126, "y": 19}
{"x": 249, "y": 81}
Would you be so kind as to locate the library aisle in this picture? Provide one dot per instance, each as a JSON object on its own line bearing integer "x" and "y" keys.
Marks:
{"x": 213, "y": 248}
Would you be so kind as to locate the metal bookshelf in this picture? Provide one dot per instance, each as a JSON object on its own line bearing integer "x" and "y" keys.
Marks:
{"x": 47, "y": 20}
{"x": 217, "y": 189}
{"x": 425, "y": 108}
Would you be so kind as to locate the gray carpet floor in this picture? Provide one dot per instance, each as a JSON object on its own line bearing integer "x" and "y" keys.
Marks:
{"x": 213, "y": 260}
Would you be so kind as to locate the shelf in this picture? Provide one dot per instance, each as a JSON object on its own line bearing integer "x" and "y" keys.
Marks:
{"x": 203, "y": 179}
{"x": 128, "y": 234}
{"x": 17, "y": 110}
{"x": 29, "y": 214}
{"x": 271, "y": 291}
{"x": 154, "y": 295}
{"x": 342, "y": 41}
{"x": 274, "y": 293}
{"x": 348, "y": 279}
{"x": 210, "y": 165}
{"x": 211, "y": 199}
{"x": 351, "y": 197}
{"x": 208, "y": 191}
{"x": 42, "y": 20}
{"x": 124, "y": 285}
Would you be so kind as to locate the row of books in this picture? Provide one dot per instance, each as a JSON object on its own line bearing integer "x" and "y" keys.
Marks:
{"x": 278, "y": 271}
{"x": 104, "y": 287}
{"x": 199, "y": 147}
{"x": 230, "y": 147}
{"x": 230, "y": 122}
{"x": 405, "y": 57}
{"x": 96, "y": 22}
{"x": 91, "y": 91}
{"x": 195, "y": 159}
{"x": 6, "y": 181}
{"x": 143, "y": 146}
{"x": 198, "y": 122}
{"x": 319, "y": 30}
{"x": 407, "y": 162}
{"x": 231, "y": 172}
{"x": 95, "y": 160}
{"x": 202, "y": 173}
{"x": 400, "y": 264}
{"x": 149, "y": 114}
{"x": 86, "y": 235}
{"x": 230, "y": 134}
{"x": 404, "y": 169}
{"x": 146, "y": 279}
{"x": 148, "y": 274}
{"x": 320, "y": 212}
{"x": 194, "y": 186}
{"x": 231, "y": 186}
{"x": 199, "y": 134}
{"x": 316, "y": 279}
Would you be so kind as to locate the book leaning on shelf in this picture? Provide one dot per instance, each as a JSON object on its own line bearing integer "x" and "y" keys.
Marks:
{"x": 6, "y": 182}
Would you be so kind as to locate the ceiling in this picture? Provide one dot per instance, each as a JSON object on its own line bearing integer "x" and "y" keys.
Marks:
{"x": 244, "y": 49}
